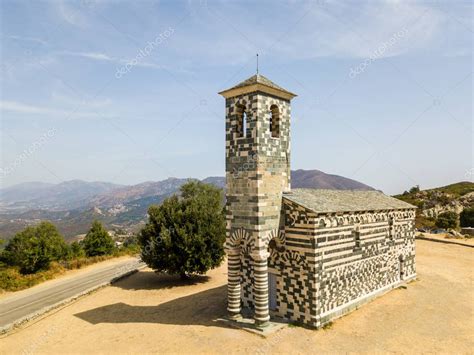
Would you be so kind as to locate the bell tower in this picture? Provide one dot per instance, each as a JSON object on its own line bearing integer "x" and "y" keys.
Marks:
{"x": 257, "y": 174}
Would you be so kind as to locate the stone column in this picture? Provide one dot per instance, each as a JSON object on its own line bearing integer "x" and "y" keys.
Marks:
{"x": 233, "y": 283}
{"x": 260, "y": 288}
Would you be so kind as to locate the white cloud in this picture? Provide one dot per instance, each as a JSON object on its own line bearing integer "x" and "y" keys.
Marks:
{"x": 106, "y": 58}
{"x": 72, "y": 101}
{"x": 22, "y": 108}
{"x": 89, "y": 55}
{"x": 18, "y": 107}
{"x": 311, "y": 30}
{"x": 27, "y": 39}
{"x": 344, "y": 31}
{"x": 69, "y": 13}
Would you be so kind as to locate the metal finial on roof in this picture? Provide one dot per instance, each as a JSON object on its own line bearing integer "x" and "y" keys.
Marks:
{"x": 257, "y": 63}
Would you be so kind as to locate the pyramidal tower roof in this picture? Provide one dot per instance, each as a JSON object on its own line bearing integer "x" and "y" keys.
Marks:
{"x": 257, "y": 82}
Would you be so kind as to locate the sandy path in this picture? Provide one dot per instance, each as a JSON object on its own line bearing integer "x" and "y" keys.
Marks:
{"x": 150, "y": 314}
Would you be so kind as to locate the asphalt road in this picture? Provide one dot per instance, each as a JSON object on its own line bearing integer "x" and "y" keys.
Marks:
{"x": 29, "y": 302}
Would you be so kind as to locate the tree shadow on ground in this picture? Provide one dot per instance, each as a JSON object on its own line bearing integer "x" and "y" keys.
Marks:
{"x": 150, "y": 280}
{"x": 202, "y": 308}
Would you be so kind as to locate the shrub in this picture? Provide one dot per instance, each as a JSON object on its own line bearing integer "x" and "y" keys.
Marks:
{"x": 447, "y": 220}
{"x": 98, "y": 241}
{"x": 76, "y": 250}
{"x": 34, "y": 248}
{"x": 467, "y": 217}
{"x": 11, "y": 279}
{"x": 185, "y": 235}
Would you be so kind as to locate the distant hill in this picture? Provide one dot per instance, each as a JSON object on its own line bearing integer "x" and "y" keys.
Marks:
{"x": 77, "y": 194}
{"x": 65, "y": 195}
{"x": 130, "y": 193}
{"x": 432, "y": 202}
{"x": 73, "y": 205}
{"x": 315, "y": 179}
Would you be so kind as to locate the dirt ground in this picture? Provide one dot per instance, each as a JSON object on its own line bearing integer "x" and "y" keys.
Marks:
{"x": 146, "y": 313}
{"x": 449, "y": 238}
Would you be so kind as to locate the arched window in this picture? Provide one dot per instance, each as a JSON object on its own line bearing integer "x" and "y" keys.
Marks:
{"x": 274, "y": 121}
{"x": 241, "y": 124}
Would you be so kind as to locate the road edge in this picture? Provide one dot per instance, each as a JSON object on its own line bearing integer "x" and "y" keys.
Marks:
{"x": 28, "y": 318}
{"x": 445, "y": 241}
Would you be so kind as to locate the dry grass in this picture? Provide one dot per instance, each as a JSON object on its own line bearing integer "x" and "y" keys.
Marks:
{"x": 12, "y": 280}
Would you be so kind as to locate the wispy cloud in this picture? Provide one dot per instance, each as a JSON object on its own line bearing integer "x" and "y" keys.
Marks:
{"x": 18, "y": 107}
{"x": 316, "y": 29}
{"x": 29, "y": 109}
{"x": 89, "y": 55}
{"x": 62, "y": 99}
{"x": 27, "y": 39}
{"x": 106, "y": 58}
{"x": 70, "y": 13}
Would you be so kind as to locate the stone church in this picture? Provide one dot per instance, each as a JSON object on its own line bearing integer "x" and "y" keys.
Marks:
{"x": 305, "y": 255}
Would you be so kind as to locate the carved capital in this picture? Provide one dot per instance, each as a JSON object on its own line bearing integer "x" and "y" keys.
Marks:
{"x": 260, "y": 255}
{"x": 233, "y": 251}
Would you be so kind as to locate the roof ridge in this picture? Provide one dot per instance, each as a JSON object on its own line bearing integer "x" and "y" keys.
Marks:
{"x": 259, "y": 79}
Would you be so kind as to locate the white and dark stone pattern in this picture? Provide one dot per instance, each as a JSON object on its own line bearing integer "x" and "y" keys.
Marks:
{"x": 328, "y": 251}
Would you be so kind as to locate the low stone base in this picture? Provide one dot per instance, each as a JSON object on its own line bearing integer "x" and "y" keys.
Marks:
{"x": 248, "y": 324}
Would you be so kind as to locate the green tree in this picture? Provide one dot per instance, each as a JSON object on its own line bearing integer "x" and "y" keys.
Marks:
{"x": 34, "y": 248}
{"x": 467, "y": 217}
{"x": 76, "y": 250}
{"x": 185, "y": 235}
{"x": 415, "y": 189}
{"x": 447, "y": 220}
{"x": 98, "y": 241}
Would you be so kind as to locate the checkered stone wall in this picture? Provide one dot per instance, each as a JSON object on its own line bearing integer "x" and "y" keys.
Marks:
{"x": 257, "y": 173}
{"x": 325, "y": 264}
{"x": 295, "y": 266}
{"x": 349, "y": 258}
{"x": 360, "y": 255}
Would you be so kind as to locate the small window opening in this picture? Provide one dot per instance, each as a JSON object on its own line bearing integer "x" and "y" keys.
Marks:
{"x": 274, "y": 121}
{"x": 391, "y": 228}
{"x": 356, "y": 234}
{"x": 244, "y": 125}
{"x": 241, "y": 123}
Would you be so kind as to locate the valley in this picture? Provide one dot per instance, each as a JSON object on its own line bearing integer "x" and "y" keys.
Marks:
{"x": 73, "y": 205}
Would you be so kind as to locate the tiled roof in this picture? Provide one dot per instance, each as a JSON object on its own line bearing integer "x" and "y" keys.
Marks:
{"x": 344, "y": 200}
{"x": 259, "y": 79}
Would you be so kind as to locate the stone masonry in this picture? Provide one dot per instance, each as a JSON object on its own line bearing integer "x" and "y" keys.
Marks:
{"x": 325, "y": 251}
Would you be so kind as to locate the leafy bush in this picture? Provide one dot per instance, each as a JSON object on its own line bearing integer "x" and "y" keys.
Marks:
{"x": 98, "y": 241}
{"x": 11, "y": 279}
{"x": 76, "y": 250}
{"x": 467, "y": 217}
{"x": 185, "y": 235}
{"x": 34, "y": 248}
{"x": 447, "y": 220}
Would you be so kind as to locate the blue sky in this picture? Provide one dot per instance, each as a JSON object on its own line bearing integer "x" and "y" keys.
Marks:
{"x": 384, "y": 87}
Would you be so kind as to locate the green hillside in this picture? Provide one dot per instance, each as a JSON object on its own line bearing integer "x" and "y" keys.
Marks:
{"x": 440, "y": 197}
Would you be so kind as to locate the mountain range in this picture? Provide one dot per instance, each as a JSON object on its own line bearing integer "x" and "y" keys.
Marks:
{"x": 72, "y": 205}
